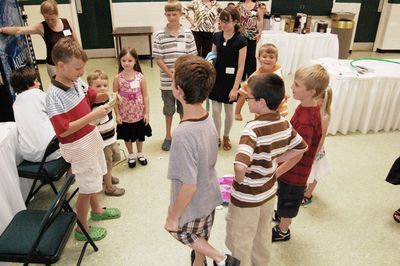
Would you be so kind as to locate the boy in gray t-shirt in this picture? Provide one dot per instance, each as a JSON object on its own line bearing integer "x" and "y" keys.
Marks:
{"x": 194, "y": 186}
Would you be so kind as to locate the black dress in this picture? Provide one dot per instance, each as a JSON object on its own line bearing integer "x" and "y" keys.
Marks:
{"x": 227, "y": 61}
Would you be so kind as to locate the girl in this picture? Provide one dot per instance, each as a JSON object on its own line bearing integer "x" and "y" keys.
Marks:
{"x": 132, "y": 114}
{"x": 230, "y": 46}
{"x": 320, "y": 166}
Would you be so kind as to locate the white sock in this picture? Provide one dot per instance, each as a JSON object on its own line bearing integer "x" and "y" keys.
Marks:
{"x": 132, "y": 156}
{"x": 139, "y": 154}
{"x": 222, "y": 262}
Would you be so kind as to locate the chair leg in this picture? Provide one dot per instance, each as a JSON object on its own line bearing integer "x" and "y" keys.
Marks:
{"x": 73, "y": 194}
{"x": 30, "y": 194}
{"x": 54, "y": 188}
{"x": 89, "y": 239}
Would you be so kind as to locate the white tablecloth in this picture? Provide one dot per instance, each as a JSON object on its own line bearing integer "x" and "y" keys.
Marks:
{"x": 297, "y": 50}
{"x": 364, "y": 102}
{"x": 11, "y": 200}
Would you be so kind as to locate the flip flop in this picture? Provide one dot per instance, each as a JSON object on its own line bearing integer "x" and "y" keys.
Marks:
{"x": 95, "y": 233}
{"x": 109, "y": 213}
{"x": 396, "y": 216}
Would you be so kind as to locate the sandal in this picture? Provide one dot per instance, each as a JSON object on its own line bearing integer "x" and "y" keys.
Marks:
{"x": 219, "y": 143}
{"x": 396, "y": 216}
{"x": 142, "y": 160}
{"x": 306, "y": 201}
{"x": 95, "y": 233}
{"x": 109, "y": 213}
{"x": 116, "y": 191}
{"x": 226, "y": 143}
{"x": 114, "y": 180}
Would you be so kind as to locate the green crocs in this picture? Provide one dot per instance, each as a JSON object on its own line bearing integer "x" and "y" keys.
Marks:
{"x": 109, "y": 213}
{"x": 95, "y": 233}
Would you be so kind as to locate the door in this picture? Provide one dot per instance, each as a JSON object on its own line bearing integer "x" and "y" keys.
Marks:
{"x": 94, "y": 17}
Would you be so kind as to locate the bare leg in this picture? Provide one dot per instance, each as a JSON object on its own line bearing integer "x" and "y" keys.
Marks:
{"x": 95, "y": 204}
{"x": 310, "y": 189}
{"x": 82, "y": 209}
{"x": 128, "y": 145}
{"x": 203, "y": 248}
{"x": 139, "y": 146}
{"x": 284, "y": 224}
{"x": 107, "y": 181}
{"x": 168, "y": 124}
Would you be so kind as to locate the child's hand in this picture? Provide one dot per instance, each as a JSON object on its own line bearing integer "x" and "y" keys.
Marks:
{"x": 171, "y": 225}
{"x": 146, "y": 119}
{"x": 101, "y": 111}
{"x": 118, "y": 119}
{"x": 233, "y": 94}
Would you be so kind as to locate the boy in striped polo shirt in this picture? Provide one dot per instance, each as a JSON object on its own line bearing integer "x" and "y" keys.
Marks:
{"x": 68, "y": 103}
{"x": 264, "y": 143}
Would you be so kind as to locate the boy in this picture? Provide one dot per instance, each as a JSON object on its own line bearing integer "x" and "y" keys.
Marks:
{"x": 33, "y": 124}
{"x": 309, "y": 83}
{"x": 170, "y": 43}
{"x": 264, "y": 143}
{"x": 68, "y": 105}
{"x": 194, "y": 186}
{"x": 98, "y": 80}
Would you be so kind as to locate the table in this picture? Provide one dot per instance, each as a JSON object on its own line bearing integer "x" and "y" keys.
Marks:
{"x": 363, "y": 102}
{"x": 11, "y": 200}
{"x": 133, "y": 31}
{"x": 297, "y": 50}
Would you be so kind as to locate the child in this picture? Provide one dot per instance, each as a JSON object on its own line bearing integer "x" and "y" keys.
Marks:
{"x": 194, "y": 185}
{"x": 33, "y": 124}
{"x": 68, "y": 105}
{"x": 133, "y": 112}
{"x": 320, "y": 167}
{"x": 309, "y": 83}
{"x": 98, "y": 80}
{"x": 264, "y": 143}
{"x": 267, "y": 56}
{"x": 230, "y": 46}
{"x": 170, "y": 43}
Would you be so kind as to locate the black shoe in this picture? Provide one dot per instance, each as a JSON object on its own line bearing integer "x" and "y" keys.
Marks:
{"x": 276, "y": 218}
{"x": 131, "y": 163}
{"x": 193, "y": 256}
{"x": 230, "y": 261}
{"x": 142, "y": 160}
{"x": 278, "y": 235}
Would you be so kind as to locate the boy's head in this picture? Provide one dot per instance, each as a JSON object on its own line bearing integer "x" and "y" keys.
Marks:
{"x": 268, "y": 56}
{"x": 173, "y": 11}
{"x": 313, "y": 78}
{"x": 269, "y": 88}
{"x": 268, "y": 48}
{"x": 69, "y": 58}
{"x": 98, "y": 80}
{"x": 195, "y": 77}
{"x": 24, "y": 78}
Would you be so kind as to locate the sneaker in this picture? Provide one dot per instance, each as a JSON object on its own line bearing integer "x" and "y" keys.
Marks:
{"x": 116, "y": 191}
{"x": 131, "y": 163}
{"x": 230, "y": 261}
{"x": 276, "y": 218}
{"x": 166, "y": 145}
{"x": 278, "y": 235}
{"x": 306, "y": 201}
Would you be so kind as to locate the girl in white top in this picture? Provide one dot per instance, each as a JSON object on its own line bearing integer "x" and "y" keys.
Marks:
{"x": 320, "y": 167}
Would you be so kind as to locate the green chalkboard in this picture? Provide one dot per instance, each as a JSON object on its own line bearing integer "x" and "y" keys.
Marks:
{"x": 38, "y": 2}
{"x": 310, "y": 7}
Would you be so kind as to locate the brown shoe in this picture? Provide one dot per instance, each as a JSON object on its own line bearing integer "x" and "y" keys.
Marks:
{"x": 114, "y": 180}
{"x": 226, "y": 144}
{"x": 116, "y": 192}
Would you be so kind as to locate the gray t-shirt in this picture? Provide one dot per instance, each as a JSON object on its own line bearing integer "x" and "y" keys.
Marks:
{"x": 192, "y": 160}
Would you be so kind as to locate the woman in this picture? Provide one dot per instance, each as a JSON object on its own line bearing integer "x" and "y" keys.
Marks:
{"x": 251, "y": 22}
{"x": 205, "y": 15}
{"x": 51, "y": 29}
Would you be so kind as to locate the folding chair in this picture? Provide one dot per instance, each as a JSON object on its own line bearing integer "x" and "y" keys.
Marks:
{"x": 45, "y": 172}
{"x": 39, "y": 236}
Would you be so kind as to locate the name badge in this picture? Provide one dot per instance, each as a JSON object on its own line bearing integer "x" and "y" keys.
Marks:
{"x": 134, "y": 84}
{"x": 67, "y": 32}
{"x": 181, "y": 45}
{"x": 230, "y": 70}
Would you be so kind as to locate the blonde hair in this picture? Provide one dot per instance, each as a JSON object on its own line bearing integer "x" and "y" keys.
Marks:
{"x": 67, "y": 48}
{"x": 95, "y": 75}
{"x": 327, "y": 101}
{"x": 314, "y": 77}
{"x": 49, "y": 7}
{"x": 268, "y": 48}
{"x": 173, "y": 5}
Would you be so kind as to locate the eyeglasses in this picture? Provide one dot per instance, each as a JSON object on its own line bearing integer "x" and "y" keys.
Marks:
{"x": 251, "y": 98}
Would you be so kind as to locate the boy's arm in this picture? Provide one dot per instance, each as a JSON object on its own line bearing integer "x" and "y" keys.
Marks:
{"x": 290, "y": 159}
{"x": 164, "y": 68}
{"x": 102, "y": 97}
{"x": 240, "y": 171}
{"x": 184, "y": 197}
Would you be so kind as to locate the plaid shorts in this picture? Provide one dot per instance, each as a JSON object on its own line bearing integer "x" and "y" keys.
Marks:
{"x": 192, "y": 231}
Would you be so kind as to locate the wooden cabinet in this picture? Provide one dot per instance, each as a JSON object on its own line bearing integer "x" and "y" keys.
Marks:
{"x": 309, "y": 7}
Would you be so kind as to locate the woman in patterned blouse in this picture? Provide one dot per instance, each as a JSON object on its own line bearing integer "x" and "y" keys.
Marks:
{"x": 251, "y": 22}
{"x": 205, "y": 15}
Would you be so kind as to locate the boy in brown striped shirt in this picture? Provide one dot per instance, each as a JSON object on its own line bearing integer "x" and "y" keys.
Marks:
{"x": 265, "y": 142}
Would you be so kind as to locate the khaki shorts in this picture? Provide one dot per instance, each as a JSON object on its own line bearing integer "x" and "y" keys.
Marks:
{"x": 89, "y": 173}
{"x": 169, "y": 103}
{"x": 111, "y": 152}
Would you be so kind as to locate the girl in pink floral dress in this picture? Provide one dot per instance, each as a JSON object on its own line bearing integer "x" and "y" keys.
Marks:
{"x": 132, "y": 113}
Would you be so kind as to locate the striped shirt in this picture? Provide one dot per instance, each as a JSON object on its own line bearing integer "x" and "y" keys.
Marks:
{"x": 106, "y": 127}
{"x": 66, "y": 105}
{"x": 205, "y": 16}
{"x": 169, "y": 47}
{"x": 262, "y": 141}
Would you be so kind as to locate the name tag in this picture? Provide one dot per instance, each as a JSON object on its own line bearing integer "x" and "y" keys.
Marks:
{"x": 134, "y": 84}
{"x": 181, "y": 45}
{"x": 230, "y": 70}
{"x": 67, "y": 32}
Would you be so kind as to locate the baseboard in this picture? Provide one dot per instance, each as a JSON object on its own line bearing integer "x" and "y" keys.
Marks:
{"x": 387, "y": 51}
{"x": 363, "y": 46}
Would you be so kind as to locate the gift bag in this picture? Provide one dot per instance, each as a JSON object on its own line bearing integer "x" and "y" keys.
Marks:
{"x": 225, "y": 185}
{"x": 393, "y": 176}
